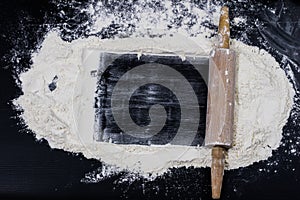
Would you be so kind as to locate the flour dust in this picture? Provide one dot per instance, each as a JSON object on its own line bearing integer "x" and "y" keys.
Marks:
{"x": 263, "y": 103}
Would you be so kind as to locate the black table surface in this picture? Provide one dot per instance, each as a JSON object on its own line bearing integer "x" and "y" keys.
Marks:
{"x": 30, "y": 168}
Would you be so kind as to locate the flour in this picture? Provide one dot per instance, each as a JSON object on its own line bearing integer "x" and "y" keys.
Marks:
{"x": 65, "y": 116}
{"x": 264, "y": 99}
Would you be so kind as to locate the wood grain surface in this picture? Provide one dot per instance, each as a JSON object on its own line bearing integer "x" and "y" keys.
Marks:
{"x": 220, "y": 107}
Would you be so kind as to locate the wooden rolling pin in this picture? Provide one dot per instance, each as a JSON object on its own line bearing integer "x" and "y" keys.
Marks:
{"x": 220, "y": 104}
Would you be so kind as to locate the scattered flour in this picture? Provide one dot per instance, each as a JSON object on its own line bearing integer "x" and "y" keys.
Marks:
{"x": 65, "y": 116}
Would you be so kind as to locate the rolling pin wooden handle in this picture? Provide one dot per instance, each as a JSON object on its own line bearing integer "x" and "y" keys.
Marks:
{"x": 217, "y": 170}
{"x": 224, "y": 29}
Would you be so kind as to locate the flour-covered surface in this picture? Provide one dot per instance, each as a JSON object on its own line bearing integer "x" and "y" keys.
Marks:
{"x": 65, "y": 173}
{"x": 59, "y": 95}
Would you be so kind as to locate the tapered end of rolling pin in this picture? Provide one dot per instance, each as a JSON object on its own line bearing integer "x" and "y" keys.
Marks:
{"x": 217, "y": 170}
{"x": 224, "y": 29}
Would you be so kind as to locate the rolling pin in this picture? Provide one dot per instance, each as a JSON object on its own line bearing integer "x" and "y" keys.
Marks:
{"x": 220, "y": 103}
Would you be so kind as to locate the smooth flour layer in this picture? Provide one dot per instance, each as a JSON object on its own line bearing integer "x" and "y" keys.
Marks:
{"x": 65, "y": 116}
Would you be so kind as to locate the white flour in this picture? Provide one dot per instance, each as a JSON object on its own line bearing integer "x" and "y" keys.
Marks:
{"x": 65, "y": 116}
{"x": 264, "y": 100}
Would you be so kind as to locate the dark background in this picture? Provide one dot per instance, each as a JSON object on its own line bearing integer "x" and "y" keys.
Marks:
{"x": 30, "y": 168}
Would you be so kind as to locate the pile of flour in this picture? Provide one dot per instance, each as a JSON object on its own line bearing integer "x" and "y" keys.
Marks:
{"x": 65, "y": 116}
{"x": 264, "y": 100}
